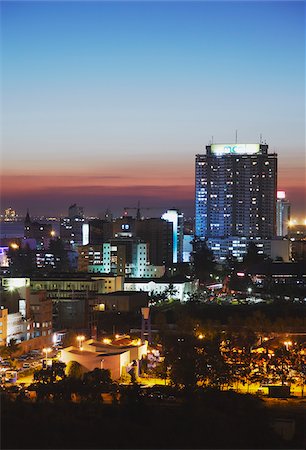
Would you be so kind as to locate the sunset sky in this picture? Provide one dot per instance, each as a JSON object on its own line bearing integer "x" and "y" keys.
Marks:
{"x": 107, "y": 103}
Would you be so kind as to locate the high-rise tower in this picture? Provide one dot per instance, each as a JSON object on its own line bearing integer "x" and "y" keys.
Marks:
{"x": 236, "y": 191}
{"x": 282, "y": 214}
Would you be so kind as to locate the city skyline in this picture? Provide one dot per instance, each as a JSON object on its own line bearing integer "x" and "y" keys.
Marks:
{"x": 105, "y": 104}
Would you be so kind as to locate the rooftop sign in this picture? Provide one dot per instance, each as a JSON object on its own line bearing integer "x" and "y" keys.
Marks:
{"x": 235, "y": 149}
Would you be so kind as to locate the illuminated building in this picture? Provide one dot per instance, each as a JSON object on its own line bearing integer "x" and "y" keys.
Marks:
{"x": 158, "y": 233}
{"x": 30, "y": 312}
{"x": 89, "y": 255}
{"x": 115, "y": 356}
{"x": 282, "y": 214}
{"x": 40, "y": 232}
{"x": 47, "y": 260}
{"x": 10, "y": 215}
{"x": 72, "y": 227}
{"x": 181, "y": 289}
{"x": 122, "y": 301}
{"x": 72, "y": 294}
{"x": 236, "y": 191}
{"x": 3, "y": 257}
{"x": 125, "y": 256}
{"x": 177, "y": 219}
{"x": 100, "y": 231}
{"x": 237, "y": 246}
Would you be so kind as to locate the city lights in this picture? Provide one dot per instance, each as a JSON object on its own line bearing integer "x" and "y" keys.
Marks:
{"x": 179, "y": 321}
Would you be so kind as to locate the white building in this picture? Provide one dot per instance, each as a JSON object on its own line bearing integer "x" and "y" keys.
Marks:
{"x": 282, "y": 214}
{"x": 181, "y": 289}
{"x": 177, "y": 219}
{"x": 16, "y": 327}
{"x": 127, "y": 257}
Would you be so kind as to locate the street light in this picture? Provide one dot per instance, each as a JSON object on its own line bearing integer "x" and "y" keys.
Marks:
{"x": 47, "y": 350}
{"x": 249, "y": 290}
{"x": 201, "y": 336}
{"x": 287, "y": 344}
{"x": 80, "y": 339}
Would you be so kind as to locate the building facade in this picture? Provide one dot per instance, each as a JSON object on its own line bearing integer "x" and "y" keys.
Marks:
{"x": 282, "y": 214}
{"x": 235, "y": 191}
{"x": 177, "y": 219}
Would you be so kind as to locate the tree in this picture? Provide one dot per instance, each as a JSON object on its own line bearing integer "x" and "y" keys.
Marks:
{"x": 160, "y": 321}
{"x": 252, "y": 256}
{"x": 22, "y": 261}
{"x": 10, "y": 350}
{"x": 97, "y": 377}
{"x": 171, "y": 291}
{"x": 56, "y": 247}
{"x": 74, "y": 370}
{"x": 161, "y": 370}
{"x": 203, "y": 261}
{"x": 51, "y": 374}
{"x": 180, "y": 356}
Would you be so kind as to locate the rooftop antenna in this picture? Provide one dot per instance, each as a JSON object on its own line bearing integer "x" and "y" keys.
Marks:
{"x": 260, "y": 138}
{"x": 138, "y": 215}
{"x": 236, "y": 137}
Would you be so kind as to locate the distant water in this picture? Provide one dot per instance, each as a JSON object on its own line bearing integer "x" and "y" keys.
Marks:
{"x": 16, "y": 229}
{"x": 11, "y": 229}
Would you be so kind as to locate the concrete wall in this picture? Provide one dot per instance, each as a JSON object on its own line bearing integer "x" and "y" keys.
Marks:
{"x": 35, "y": 343}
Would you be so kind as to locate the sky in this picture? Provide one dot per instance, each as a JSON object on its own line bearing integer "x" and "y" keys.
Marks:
{"x": 107, "y": 103}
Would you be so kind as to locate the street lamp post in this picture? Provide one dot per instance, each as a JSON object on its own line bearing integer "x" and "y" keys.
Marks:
{"x": 80, "y": 339}
{"x": 47, "y": 350}
{"x": 287, "y": 345}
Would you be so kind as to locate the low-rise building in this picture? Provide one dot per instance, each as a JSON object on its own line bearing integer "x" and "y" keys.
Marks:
{"x": 97, "y": 355}
{"x": 29, "y": 312}
{"x": 72, "y": 295}
{"x": 237, "y": 247}
{"x": 180, "y": 289}
{"x": 122, "y": 301}
{"x": 3, "y": 325}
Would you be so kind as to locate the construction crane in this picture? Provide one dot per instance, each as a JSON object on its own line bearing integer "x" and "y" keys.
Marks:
{"x": 137, "y": 208}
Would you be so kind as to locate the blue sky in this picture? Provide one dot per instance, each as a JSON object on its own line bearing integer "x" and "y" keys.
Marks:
{"x": 130, "y": 92}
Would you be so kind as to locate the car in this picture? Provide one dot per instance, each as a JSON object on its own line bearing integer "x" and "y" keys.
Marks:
{"x": 35, "y": 352}
{"x": 26, "y": 365}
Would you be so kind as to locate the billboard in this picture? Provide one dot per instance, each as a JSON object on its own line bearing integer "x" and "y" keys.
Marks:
{"x": 234, "y": 149}
{"x": 281, "y": 194}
